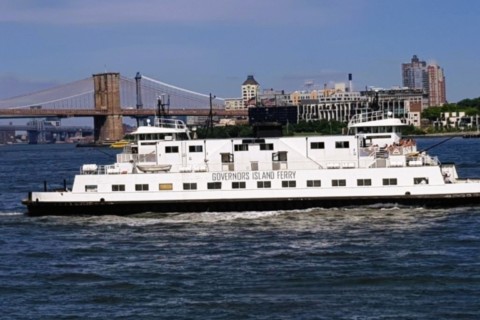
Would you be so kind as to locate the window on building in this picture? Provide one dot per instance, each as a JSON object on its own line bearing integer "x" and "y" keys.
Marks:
{"x": 266, "y": 146}
{"x": 314, "y": 183}
{"x": 141, "y": 187}
{"x": 240, "y": 147}
{"x": 190, "y": 186}
{"x": 118, "y": 187}
{"x": 317, "y": 145}
{"x": 339, "y": 183}
{"x": 390, "y": 182}
{"x": 238, "y": 185}
{"x": 171, "y": 149}
{"x": 342, "y": 144}
{"x": 279, "y": 156}
{"x": 226, "y": 157}
{"x": 364, "y": 182}
{"x": 289, "y": 184}
{"x": 264, "y": 184}
{"x": 214, "y": 185}
{"x": 195, "y": 148}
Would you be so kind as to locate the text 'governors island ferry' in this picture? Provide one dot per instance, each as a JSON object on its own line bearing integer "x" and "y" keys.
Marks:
{"x": 164, "y": 170}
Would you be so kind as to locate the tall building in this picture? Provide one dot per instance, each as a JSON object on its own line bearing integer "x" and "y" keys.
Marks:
{"x": 250, "y": 90}
{"x": 414, "y": 74}
{"x": 436, "y": 86}
{"x": 429, "y": 77}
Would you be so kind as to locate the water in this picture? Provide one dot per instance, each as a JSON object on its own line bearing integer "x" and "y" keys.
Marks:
{"x": 363, "y": 263}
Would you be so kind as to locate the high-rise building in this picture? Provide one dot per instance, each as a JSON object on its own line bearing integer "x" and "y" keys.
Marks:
{"x": 250, "y": 90}
{"x": 436, "y": 86}
{"x": 429, "y": 77}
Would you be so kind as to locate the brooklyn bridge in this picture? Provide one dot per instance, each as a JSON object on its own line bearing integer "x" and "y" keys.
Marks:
{"x": 108, "y": 97}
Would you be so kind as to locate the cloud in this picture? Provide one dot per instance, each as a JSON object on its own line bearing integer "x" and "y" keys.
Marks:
{"x": 266, "y": 12}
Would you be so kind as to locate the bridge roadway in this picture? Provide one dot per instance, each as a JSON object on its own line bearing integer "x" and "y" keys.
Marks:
{"x": 127, "y": 112}
{"x": 55, "y": 129}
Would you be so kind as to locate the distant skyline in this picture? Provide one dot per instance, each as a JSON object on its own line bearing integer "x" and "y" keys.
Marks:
{"x": 212, "y": 45}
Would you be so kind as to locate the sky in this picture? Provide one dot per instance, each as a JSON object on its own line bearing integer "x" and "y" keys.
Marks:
{"x": 210, "y": 46}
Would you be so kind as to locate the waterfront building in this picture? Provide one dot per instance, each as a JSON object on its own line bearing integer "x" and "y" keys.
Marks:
{"x": 436, "y": 86}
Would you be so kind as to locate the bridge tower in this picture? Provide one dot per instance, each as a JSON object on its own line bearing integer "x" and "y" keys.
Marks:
{"x": 108, "y": 127}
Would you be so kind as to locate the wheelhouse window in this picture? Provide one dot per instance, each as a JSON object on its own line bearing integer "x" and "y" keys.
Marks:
{"x": 141, "y": 187}
{"x": 190, "y": 186}
{"x": 240, "y": 147}
{"x": 289, "y": 184}
{"x": 342, "y": 144}
{"x": 314, "y": 183}
{"x": 264, "y": 184}
{"x": 118, "y": 187}
{"x": 171, "y": 149}
{"x": 364, "y": 182}
{"x": 317, "y": 145}
{"x": 214, "y": 185}
{"x": 195, "y": 148}
{"x": 238, "y": 185}
{"x": 390, "y": 181}
{"x": 339, "y": 183}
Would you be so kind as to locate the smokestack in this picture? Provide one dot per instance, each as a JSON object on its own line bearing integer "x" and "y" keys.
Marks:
{"x": 350, "y": 88}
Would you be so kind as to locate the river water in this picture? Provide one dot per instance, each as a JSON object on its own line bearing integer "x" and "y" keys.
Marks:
{"x": 356, "y": 263}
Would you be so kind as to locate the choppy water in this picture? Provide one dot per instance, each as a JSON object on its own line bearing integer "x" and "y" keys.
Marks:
{"x": 363, "y": 263}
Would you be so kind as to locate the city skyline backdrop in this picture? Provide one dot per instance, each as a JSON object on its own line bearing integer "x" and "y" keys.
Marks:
{"x": 212, "y": 45}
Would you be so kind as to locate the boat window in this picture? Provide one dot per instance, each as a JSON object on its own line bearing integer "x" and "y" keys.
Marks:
{"x": 214, "y": 185}
{"x": 190, "y": 186}
{"x": 390, "y": 181}
{"x": 141, "y": 187}
{"x": 254, "y": 165}
{"x": 171, "y": 149}
{"x": 289, "y": 184}
{"x": 279, "y": 156}
{"x": 317, "y": 145}
{"x": 422, "y": 180}
{"x": 165, "y": 186}
{"x": 342, "y": 144}
{"x": 226, "y": 157}
{"x": 264, "y": 184}
{"x": 118, "y": 187}
{"x": 195, "y": 148}
{"x": 364, "y": 182}
{"x": 314, "y": 183}
{"x": 339, "y": 183}
{"x": 241, "y": 147}
{"x": 238, "y": 185}
{"x": 91, "y": 188}
{"x": 266, "y": 146}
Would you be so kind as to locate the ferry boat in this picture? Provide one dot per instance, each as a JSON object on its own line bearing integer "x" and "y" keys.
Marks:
{"x": 165, "y": 170}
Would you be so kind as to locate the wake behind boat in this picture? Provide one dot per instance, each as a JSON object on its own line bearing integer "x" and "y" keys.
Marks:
{"x": 164, "y": 170}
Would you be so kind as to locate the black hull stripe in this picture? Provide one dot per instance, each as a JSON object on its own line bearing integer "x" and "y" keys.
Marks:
{"x": 127, "y": 208}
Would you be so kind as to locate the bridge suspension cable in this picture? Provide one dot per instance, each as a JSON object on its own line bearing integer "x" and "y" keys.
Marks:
{"x": 74, "y": 95}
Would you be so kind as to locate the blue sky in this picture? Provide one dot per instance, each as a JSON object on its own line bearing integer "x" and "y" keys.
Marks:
{"x": 212, "y": 45}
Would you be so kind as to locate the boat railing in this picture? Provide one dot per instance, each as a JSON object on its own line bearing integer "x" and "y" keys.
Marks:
{"x": 136, "y": 158}
{"x": 170, "y": 123}
{"x": 366, "y": 117}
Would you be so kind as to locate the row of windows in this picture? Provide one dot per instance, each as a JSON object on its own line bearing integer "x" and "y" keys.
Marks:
{"x": 263, "y": 147}
{"x": 260, "y": 184}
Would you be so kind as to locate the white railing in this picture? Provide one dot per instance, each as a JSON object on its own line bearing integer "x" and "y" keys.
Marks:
{"x": 170, "y": 123}
{"x": 366, "y": 117}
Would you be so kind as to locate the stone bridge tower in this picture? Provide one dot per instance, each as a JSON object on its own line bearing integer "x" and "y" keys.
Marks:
{"x": 108, "y": 125}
